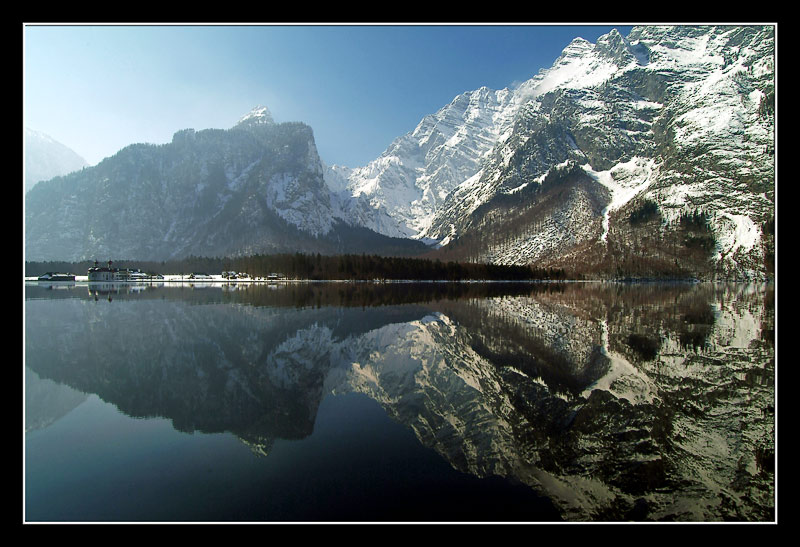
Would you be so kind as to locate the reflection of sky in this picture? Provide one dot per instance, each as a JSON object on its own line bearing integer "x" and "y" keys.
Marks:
{"x": 357, "y": 465}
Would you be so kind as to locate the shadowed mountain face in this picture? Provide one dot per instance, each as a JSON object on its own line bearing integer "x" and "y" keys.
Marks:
{"x": 616, "y": 402}
{"x": 255, "y": 188}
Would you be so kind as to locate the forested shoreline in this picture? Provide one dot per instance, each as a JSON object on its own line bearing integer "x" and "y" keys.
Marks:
{"x": 318, "y": 267}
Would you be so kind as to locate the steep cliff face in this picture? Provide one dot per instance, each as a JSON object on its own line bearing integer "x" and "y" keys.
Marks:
{"x": 255, "y": 188}
{"x": 411, "y": 179}
{"x": 204, "y": 193}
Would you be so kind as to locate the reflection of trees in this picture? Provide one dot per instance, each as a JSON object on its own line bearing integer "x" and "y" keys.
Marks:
{"x": 295, "y": 294}
{"x": 646, "y": 346}
{"x": 540, "y": 349}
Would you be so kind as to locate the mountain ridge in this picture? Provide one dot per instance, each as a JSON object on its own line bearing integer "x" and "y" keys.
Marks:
{"x": 254, "y": 188}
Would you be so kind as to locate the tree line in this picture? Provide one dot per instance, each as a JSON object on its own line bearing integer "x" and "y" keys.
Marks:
{"x": 320, "y": 267}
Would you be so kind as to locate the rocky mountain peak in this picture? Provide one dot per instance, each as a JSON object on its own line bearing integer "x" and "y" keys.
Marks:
{"x": 616, "y": 48}
{"x": 577, "y": 47}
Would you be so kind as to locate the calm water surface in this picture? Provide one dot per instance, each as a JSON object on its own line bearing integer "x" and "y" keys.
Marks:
{"x": 399, "y": 402}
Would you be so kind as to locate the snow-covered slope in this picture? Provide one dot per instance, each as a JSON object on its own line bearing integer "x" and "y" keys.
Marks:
{"x": 448, "y": 149}
{"x": 411, "y": 179}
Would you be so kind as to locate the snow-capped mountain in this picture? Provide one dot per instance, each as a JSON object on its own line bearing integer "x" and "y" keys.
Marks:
{"x": 413, "y": 177}
{"x": 678, "y": 117}
{"x": 46, "y": 158}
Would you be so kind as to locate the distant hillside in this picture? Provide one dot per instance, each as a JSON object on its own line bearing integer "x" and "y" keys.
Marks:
{"x": 46, "y": 158}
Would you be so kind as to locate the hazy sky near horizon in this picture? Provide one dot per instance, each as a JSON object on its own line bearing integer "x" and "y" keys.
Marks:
{"x": 99, "y": 88}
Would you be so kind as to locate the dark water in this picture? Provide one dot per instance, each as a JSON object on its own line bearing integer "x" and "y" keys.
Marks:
{"x": 399, "y": 402}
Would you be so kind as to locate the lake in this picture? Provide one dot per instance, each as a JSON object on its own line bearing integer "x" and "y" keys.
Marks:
{"x": 399, "y": 402}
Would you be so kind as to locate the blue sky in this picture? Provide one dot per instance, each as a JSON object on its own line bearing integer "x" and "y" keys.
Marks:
{"x": 97, "y": 89}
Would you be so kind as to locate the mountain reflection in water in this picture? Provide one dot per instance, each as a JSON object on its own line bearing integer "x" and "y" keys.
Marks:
{"x": 615, "y": 401}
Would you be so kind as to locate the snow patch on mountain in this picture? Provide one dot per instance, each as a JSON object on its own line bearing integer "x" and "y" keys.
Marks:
{"x": 412, "y": 178}
{"x": 683, "y": 115}
{"x": 736, "y": 232}
{"x": 622, "y": 378}
{"x": 624, "y": 181}
{"x": 449, "y": 150}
